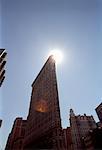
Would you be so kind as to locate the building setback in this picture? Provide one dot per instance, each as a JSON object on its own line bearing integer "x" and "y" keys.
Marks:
{"x": 80, "y": 126}
{"x": 2, "y": 64}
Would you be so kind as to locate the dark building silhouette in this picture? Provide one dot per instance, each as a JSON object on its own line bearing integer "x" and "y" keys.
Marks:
{"x": 44, "y": 129}
{"x": 80, "y": 126}
{"x": 15, "y": 139}
{"x": 93, "y": 140}
{"x": 0, "y": 122}
{"x": 99, "y": 112}
{"x": 2, "y": 64}
{"x": 99, "y": 124}
{"x": 2, "y": 70}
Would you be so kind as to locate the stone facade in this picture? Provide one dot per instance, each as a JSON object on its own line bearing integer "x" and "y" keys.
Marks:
{"x": 68, "y": 138}
{"x": 44, "y": 129}
{"x": 16, "y": 137}
{"x": 80, "y": 126}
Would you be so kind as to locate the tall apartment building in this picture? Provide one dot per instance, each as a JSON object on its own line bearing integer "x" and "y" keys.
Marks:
{"x": 44, "y": 129}
{"x": 15, "y": 139}
{"x": 99, "y": 112}
{"x": 80, "y": 126}
{"x": 2, "y": 64}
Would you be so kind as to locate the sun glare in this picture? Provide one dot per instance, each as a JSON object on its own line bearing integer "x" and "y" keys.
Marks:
{"x": 57, "y": 55}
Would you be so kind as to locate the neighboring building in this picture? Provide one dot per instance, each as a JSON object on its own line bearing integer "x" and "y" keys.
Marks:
{"x": 15, "y": 139}
{"x": 93, "y": 140}
{"x": 80, "y": 126}
{"x": 68, "y": 138}
{"x": 44, "y": 129}
{"x": 2, "y": 70}
{"x": 0, "y": 122}
{"x": 2, "y": 64}
{"x": 99, "y": 112}
{"x": 99, "y": 124}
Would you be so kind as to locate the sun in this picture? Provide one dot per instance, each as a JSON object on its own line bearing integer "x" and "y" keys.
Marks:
{"x": 57, "y": 55}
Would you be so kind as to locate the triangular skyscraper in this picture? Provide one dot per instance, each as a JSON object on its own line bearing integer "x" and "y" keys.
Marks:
{"x": 44, "y": 129}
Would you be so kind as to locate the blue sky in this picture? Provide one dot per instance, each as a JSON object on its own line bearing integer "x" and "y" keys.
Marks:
{"x": 29, "y": 30}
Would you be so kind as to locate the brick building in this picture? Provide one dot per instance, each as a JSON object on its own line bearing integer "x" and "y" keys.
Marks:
{"x": 80, "y": 126}
{"x": 15, "y": 139}
{"x": 93, "y": 140}
{"x": 68, "y": 138}
{"x": 44, "y": 129}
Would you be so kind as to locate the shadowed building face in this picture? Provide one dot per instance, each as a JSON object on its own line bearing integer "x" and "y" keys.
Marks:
{"x": 99, "y": 112}
{"x": 43, "y": 121}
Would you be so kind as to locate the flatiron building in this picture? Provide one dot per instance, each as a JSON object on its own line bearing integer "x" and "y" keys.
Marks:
{"x": 44, "y": 129}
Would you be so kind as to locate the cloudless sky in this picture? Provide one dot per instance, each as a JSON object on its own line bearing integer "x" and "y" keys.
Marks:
{"x": 29, "y": 30}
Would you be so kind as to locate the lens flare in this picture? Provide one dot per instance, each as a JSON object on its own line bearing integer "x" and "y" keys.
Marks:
{"x": 41, "y": 106}
{"x": 57, "y": 55}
